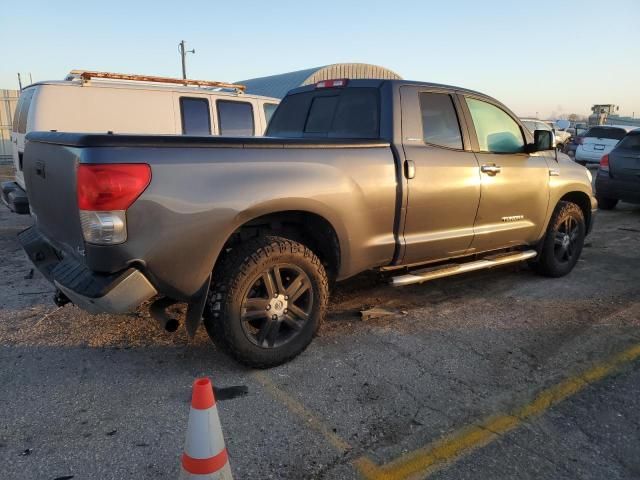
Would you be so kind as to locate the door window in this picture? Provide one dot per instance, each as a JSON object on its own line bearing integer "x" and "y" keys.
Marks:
{"x": 439, "y": 120}
{"x": 235, "y": 119}
{"x": 497, "y": 132}
{"x": 196, "y": 119}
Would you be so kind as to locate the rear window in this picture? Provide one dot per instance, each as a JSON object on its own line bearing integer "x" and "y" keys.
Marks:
{"x": 235, "y": 119}
{"x": 332, "y": 113}
{"x": 196, "y": 119}
{"x": 602, "y": 132}
{"x": 631, "y": 142}
{"x": 22, "y": 111}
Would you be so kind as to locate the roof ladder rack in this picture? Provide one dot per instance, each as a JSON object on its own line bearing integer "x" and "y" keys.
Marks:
{"x": 86, "y": 75}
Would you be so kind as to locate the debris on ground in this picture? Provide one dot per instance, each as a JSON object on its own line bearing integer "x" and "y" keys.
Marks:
{"x": 375, "y": 312}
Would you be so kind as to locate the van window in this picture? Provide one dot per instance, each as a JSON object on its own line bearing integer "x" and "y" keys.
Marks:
{"x": 269, "y": 108}
{"x": 22, "y": 111}
{"x": 196, "y": 119}
{"x": 235, "y": 119}
{"x": 497, "y": 132}
{"x": 439, "y": 120}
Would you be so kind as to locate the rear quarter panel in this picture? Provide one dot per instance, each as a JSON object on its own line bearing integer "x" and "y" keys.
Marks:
{"x": 199, "y": 196}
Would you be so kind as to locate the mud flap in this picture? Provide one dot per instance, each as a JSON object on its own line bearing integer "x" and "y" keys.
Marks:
{"x": 196, "y": 307}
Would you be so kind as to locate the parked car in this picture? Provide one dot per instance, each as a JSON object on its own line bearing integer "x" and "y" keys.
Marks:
{"x": 417, "y": 180}
{"x": 598, "y": 141}
{"x": 575, "y": 138}
{"x": 618, "y": 176}
{"x": 560, "y": 136}
{"x": 108, "y": 102}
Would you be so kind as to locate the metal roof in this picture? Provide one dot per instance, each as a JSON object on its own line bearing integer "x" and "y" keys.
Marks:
{"x": 278, "y": 85}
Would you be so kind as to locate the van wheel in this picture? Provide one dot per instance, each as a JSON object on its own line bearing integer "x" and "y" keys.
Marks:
{"x": 267, "y": 299}
{"x": 607, "y": 203}
{"x": 562, "y": 244}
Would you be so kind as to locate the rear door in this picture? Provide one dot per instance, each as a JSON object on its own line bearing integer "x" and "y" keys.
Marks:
{"x": 514, "y": 184}
{"x": 601, "y": 140}
{"x": 443, "y": 176}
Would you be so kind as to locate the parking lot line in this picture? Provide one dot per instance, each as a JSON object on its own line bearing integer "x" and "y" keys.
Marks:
{"x": 420, "y": 463}
{"x": 310, "y": 419}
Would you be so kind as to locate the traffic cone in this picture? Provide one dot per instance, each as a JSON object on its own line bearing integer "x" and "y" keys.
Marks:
{"x": 205, "y": 456}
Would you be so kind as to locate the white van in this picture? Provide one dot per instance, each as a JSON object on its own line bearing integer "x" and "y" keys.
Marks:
{"x": 99, "y": 102}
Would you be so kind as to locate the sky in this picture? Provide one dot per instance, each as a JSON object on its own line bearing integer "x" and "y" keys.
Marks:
{"x": 538, "y": 57}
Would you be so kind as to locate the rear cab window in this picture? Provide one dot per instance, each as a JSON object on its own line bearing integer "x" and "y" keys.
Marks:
{"x": 195, "y": 115}
{"x": 328, "y": 113}
{"x": 235, "y": 119}
{"x": 603, "y": 132}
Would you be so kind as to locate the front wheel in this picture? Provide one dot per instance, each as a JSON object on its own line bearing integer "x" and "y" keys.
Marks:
{"x": 267, "y": 299}
{"x": 562, "y": 244}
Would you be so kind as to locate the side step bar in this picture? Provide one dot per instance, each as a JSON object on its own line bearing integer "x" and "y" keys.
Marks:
{"x": 427, "y": 274}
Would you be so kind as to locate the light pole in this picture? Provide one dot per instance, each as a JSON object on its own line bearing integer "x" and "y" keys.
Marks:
{"x": 183, "y": 56}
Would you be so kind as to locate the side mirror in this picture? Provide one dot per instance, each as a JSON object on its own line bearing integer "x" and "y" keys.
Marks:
{"x": 542, "y": 140}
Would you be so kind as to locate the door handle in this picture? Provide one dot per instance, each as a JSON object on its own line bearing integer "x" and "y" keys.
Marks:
{"x": 490, "y": 169}
{"x": 409, "y": 168}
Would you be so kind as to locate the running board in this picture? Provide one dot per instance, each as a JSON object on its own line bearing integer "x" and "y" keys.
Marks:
{"x": 427, "y": 274}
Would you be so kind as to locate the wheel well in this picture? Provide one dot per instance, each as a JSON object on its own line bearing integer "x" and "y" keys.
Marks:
{"x": 582, "y": 200}
{"x": 308, "y": 228}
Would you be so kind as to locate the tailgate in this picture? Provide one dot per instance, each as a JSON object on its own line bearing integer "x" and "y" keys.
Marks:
{"x": 50, "y": 178}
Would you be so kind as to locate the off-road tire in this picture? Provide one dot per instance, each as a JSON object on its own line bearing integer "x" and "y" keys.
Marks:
{"x": 235, "y": 274}
{"x": 547, "y": 262}
{"x": 607, "y": 203}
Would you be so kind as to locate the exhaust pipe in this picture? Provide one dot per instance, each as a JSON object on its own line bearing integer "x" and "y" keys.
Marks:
{"x": 158, "y": 311}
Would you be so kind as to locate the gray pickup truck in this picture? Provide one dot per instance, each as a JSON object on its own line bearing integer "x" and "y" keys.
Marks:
{"x": 414, "y": 179}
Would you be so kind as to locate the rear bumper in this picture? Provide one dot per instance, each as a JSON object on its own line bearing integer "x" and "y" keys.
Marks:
{"x": 96, "y": 293}
{"x": 616, "y": 189}
{"x": 14, "y": 197}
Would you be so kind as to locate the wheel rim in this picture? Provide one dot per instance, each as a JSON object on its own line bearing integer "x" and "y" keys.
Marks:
{"x": 566, "y": 239}
{"x": 276, "y": 306}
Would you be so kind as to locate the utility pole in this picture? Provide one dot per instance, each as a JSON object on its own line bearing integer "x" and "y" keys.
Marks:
{"x": 183, "y": 56}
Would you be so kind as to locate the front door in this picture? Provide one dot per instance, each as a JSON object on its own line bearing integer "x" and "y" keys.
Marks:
{"x": 514, "y": 191}
{"x": 443, "y": 176}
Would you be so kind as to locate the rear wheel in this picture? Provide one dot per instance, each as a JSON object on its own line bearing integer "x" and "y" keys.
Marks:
{"x": 266, "y": 302}
{"x": 607, "y": 203}
{"x": 562, "y": 244}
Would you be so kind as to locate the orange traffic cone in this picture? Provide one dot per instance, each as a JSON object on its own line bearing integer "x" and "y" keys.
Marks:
{"x": 205, "y": 456}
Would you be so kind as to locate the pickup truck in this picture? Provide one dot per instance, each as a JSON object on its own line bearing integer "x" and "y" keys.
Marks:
{"x": 413, "y": 179}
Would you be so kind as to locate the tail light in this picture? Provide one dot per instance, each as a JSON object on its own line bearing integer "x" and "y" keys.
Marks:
{"x": 340, "y": 82}
{"x": 579, "y": 140}
{"x": 104, "y": 194}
